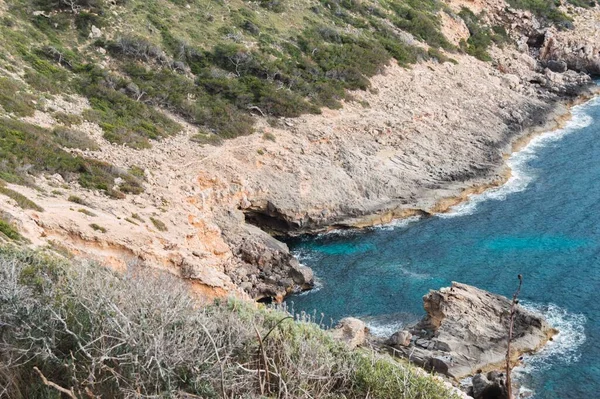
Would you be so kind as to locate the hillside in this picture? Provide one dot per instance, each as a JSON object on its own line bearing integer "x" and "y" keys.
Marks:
{"x": 164, "y": 132}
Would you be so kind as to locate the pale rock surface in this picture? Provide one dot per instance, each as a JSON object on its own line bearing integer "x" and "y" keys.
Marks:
{"x": 351, "y": 331}
{"x": 400, "y": 338}
{"x": 466, "y": 329}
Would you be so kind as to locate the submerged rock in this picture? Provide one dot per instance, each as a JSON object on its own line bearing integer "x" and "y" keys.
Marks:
{"x": 466, "y": 329}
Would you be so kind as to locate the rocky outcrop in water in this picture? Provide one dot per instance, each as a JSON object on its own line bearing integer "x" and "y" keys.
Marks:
{"x": 466, "y": 330}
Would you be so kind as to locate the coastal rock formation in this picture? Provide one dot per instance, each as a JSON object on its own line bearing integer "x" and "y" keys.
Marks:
{"x": 466, "y": 329}
{"x": 351, "y": 331}
{"x": 418, "y": 141}
{"x": 490, "y": 386}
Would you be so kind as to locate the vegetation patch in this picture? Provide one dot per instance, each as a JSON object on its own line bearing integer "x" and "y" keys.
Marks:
{"x": 19, "y": 198}
{"x": 98, "y": 228}
{"x": 67, "y": 120}
{"x": 160, "y": 226}
{"x": 27, "y": 149}
{"x": 548, "y": 10}
{"x": 137, "y": 217}
{"x": 481, "y": 37}
{"x": 86, "y": 212}
{"x": 14, "y": 99}
{"x": 9, "y": 231}
{"x": 72, "y": 138}
{"x": 145, "y": 335}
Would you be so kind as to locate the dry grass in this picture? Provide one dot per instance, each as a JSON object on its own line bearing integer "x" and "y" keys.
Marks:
{"x": 92, "y": 333}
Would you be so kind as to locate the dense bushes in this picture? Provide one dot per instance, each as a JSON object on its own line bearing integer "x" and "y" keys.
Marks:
{"x": 481, "y": 37}
{"x": 26, "y": 149}
{"x": 97, "y": 334}
{"x": 548, "y": 10}
{"x": 220, "y": 86}
{"x": 247, "y": 66}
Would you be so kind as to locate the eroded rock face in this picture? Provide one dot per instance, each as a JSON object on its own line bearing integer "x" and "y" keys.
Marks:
{"x": 490, "y": 386}
{"x": 466, "y": 329}
{"x": 351, "y": 331}
{"x": 262, "y": 266}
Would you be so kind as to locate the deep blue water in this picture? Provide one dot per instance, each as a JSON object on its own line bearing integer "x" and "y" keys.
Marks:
{"x": 544, "y": 223}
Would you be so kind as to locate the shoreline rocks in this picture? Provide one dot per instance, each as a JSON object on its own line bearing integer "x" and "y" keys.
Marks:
{"x": 465, "y": 330}
{"x": 352, "y": 331}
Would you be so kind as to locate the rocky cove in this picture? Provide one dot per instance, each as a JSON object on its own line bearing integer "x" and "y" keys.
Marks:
{"x": 416, "y": 142}
{"x": 248, "y": 217}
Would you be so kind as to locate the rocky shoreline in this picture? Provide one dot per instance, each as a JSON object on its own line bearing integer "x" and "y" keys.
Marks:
{"x": 465, "y": 330}
{"x": 555, "y": 118}
{"x": 463, "y": 334}
{"x": 417, "y": 142}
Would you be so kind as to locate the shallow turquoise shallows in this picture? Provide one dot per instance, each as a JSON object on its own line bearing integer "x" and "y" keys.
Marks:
{"x": 544, "y": 223}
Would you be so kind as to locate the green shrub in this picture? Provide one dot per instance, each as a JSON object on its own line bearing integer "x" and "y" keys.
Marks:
{"x": 25, "y": 144}
{"x": 87, "y": 212}
{"x": 9, "y": 231}
{"x": 137, "y": 217}
{"x": 67, "y": 120}
{"x": 77, "y": 200}
{"x": 71, "y": 138}
{"x": 20, "y": 199}
{"x": 160, "y": 226}
{"x": 98, "y": 228}
{"x": 547, "y": 10}
{"x": 480, "y": 37}
{"x": 14, "y": 99}
{"x": 124, "y": 120}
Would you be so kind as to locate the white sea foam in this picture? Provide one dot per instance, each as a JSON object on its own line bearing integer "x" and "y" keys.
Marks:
{"x": 521, "y": 173}
{"x": 385, "y": 325}
{"x": 398, "y": 223}
{"x": 384, "y": 330}
{"x": 316, "y": 288}
{"x": 563, "y": 349}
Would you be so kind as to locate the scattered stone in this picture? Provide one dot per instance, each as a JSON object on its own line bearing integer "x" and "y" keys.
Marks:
{"x": 557, "y": 66}
{"x": 95, "y": 32}
{"x": 351, "y": 331}
{"x": 400, "y": 338}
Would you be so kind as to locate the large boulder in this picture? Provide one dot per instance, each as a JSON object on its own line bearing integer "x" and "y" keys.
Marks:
{"x": 351, "y": 331}
{"x": 400, "y": 338}
{"x": 466, "y": 329}
{"x": 492, "y": 386}
{"x": 557, "y": 66}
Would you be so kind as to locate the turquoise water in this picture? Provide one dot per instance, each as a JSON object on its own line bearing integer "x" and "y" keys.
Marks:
{"x": 544, "y": 223}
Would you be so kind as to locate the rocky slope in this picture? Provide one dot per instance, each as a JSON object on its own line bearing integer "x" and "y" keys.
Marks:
{"x": 465, "y": 330}
{"x": 418, "y": 137}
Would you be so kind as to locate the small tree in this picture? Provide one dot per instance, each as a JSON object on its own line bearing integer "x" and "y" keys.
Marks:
{"x": 513, "y": 311}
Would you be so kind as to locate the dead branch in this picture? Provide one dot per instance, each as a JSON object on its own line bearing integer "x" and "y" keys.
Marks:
{"x": 51, "y": 384}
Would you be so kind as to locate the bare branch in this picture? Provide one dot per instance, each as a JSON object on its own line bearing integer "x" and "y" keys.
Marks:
{"x": 69, "y": 393}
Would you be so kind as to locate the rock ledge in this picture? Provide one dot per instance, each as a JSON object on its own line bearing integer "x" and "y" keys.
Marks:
{"x": 465, "y": 330}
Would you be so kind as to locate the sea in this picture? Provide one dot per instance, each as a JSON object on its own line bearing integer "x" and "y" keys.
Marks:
{"x": 544, "y": 223}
